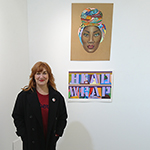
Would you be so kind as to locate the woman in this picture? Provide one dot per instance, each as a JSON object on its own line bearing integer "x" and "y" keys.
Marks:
{"x": 40, "y": 112}
{"x": 91, "y": 31}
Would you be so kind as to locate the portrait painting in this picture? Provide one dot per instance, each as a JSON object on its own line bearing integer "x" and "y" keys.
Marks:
{"x": 91, "y": 29}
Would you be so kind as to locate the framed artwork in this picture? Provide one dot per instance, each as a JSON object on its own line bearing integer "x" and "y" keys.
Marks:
{"x": 91, "y": 29}
{"x": 90, "y": 86}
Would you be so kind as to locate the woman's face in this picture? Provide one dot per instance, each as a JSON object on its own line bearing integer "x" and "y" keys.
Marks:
{"x": 91, "y": 37}
{"x": 41, "y": 78}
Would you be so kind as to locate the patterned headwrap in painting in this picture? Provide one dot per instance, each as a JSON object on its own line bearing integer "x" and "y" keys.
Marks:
{"x": 92, "y": 17}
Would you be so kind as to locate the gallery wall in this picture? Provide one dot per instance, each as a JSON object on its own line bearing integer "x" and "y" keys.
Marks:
{"x": 124, "y": 123}
{"x": 120, "y": 125}
{"x": 14, "y": 65}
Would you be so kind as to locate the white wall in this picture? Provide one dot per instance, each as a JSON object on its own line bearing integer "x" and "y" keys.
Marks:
{"x": 124, "y": 123}
{"x": 14, "y": 63}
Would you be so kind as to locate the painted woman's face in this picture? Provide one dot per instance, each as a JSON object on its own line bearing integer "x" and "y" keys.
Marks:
{"x": 91, "y": 37}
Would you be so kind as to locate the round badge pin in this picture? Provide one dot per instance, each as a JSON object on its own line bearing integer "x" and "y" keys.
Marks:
{"x": 53, "y": 99}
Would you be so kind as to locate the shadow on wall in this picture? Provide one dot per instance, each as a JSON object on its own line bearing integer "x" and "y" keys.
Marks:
{"x": 76, "y": 137}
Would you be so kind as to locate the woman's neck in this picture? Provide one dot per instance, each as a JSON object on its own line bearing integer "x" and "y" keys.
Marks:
{"x": 42, "y": 90}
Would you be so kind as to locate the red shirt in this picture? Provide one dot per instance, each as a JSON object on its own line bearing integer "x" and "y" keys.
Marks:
{"x": 44, "y": 104}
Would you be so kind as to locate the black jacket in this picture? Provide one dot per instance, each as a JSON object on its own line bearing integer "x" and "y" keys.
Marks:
{"x": 28, "y": 120}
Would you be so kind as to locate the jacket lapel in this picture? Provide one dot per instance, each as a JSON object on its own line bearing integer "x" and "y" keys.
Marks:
{"x": 35, "y": 106}
{"x": 53, "y": 105}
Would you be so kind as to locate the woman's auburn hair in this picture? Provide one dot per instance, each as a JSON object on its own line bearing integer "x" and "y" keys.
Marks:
{"x": 38, "y": 67}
